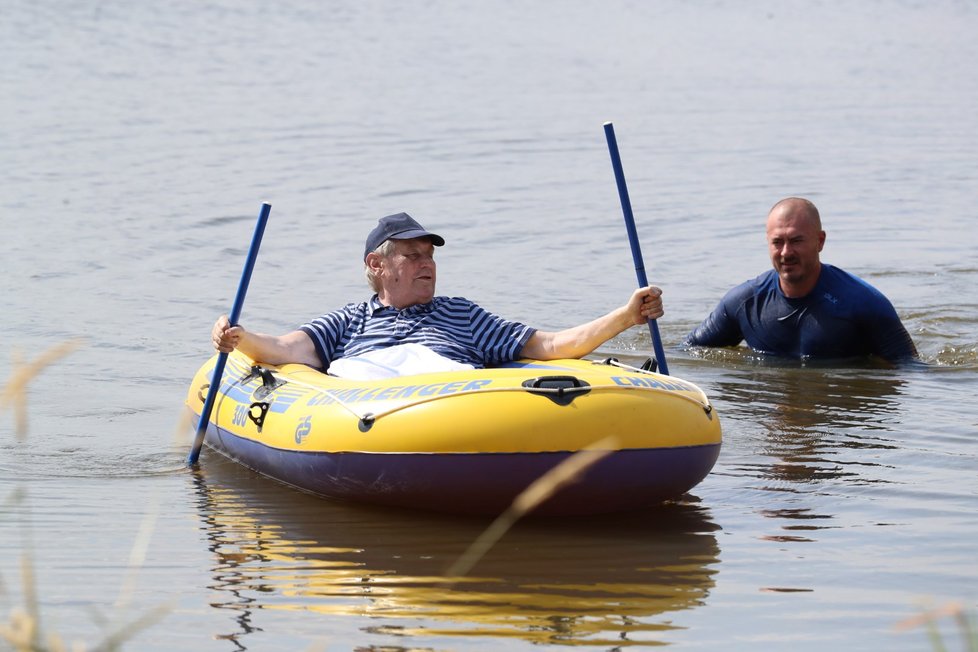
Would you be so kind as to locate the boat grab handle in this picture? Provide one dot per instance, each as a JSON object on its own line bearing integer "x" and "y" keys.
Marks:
{"x": 559, "y": 389}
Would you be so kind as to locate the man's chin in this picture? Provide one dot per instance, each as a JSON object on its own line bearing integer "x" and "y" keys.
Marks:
{"x": 790, "y": 276}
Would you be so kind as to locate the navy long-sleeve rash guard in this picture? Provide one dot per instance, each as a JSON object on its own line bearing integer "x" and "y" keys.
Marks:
{"x": 842, "y": 317}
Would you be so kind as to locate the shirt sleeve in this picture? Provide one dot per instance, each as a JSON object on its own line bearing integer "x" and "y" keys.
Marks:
{"x": 889, "y": 338}
{"x": 500, "y": 340}
{"x": 327, "y": 331}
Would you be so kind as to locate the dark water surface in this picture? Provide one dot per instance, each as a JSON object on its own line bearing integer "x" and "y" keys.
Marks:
{"x": 137, "y": 141}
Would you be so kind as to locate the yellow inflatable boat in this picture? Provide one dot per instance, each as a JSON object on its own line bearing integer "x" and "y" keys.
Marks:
{"x": 465, "y": 441}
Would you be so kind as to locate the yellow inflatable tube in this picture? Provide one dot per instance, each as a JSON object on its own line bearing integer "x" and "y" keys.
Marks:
{"x": 464, "y": 441}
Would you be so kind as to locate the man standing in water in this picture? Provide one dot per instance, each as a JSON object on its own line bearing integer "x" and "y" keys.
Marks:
{"x": 405, "y": 328}
{"x": 804, "y": 308}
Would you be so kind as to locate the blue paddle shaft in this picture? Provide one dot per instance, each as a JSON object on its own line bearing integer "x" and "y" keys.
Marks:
{"x": 222, "y": 358}
{"x": 626, "y": 209}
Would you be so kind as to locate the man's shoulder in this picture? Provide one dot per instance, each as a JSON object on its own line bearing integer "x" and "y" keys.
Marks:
{"x": 445, "y": 302}
{"x": 846, "y": 294}
{"x": 847, "y": 285}
{"x": 763, "y": 283}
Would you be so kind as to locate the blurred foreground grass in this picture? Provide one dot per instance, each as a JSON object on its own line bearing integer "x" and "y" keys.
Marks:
{"x": 14, "y": 394}
{"x": 23, "y": 630}
{"x": 931, "y": 618}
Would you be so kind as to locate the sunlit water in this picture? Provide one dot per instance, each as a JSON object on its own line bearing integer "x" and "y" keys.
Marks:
{"x": 138, "y": 141}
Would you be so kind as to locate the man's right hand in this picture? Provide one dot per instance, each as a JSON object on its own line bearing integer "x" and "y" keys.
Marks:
{"x": 224, "y": 336}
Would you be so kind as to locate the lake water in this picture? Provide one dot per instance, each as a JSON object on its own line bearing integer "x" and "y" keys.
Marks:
{"x": 138, "y": 140}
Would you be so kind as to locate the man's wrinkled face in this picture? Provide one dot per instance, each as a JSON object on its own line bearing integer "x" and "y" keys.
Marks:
{"x": 407, "y": 275}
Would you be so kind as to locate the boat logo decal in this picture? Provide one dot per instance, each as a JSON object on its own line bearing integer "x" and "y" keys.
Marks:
{"x": 368, "y": 394}
{"x": 640, "y": 381}
{"x": 303, "y": 429}
{"x": 240, "y": 416}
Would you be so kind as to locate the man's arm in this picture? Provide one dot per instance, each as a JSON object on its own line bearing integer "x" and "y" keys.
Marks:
{"x": 644, "y": 304}
{"x": 889, "y": 337}
{"x": 718, "y": 329}
{"x": 721, "y": 327}
{"x": 294, "y": 347}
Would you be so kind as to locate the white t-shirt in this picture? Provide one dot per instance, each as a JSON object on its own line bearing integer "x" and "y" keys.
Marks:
{"x": 392, "y": 361}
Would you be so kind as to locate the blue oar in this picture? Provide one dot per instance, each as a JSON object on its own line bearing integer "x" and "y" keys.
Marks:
{"x": 626, "y": 208}
{"x": 222, "y": 358}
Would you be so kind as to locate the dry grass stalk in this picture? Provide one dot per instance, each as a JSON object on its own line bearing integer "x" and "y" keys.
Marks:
{"x": 21, "y": 632}
{"x": 14, "y": 393}
{"x": 24, "y": 632}
{"x": 930, "y": 617}
{"x": 184, "y": 423}
{"x": 115, "y": 639}
{"x": 532, "y": 497}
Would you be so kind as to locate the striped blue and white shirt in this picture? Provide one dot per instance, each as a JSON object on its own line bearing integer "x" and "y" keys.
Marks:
{"x": 450, "y": 326}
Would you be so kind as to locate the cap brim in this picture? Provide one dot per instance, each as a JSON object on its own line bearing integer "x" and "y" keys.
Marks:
{"x": 436, "y": 240}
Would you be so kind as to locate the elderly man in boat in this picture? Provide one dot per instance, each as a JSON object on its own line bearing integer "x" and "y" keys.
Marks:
{"x": 404, "y": 328}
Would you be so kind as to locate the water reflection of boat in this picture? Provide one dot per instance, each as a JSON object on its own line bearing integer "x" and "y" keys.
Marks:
{"x": 466, "y": 441}
{"x": 598, "y": 580}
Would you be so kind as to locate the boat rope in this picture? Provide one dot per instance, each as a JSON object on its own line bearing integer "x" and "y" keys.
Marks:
{"x": 368, "y": 418}
{"x": 645, "y": 369}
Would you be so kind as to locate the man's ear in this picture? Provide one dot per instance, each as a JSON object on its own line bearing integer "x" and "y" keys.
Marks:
{"x": 374, "y": 261}
{"x": 821, "y": 240}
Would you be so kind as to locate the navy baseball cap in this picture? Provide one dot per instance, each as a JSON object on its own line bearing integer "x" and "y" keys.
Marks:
{"x": 398, "y": 227}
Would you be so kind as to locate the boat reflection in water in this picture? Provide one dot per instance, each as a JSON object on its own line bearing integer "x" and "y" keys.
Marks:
{"x": 598, "y": 580}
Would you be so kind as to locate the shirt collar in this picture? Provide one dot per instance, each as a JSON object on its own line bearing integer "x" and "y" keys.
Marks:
{"x": 376, "y": 306}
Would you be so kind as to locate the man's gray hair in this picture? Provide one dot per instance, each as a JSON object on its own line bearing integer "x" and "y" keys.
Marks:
{"x": 385, "y": 249}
